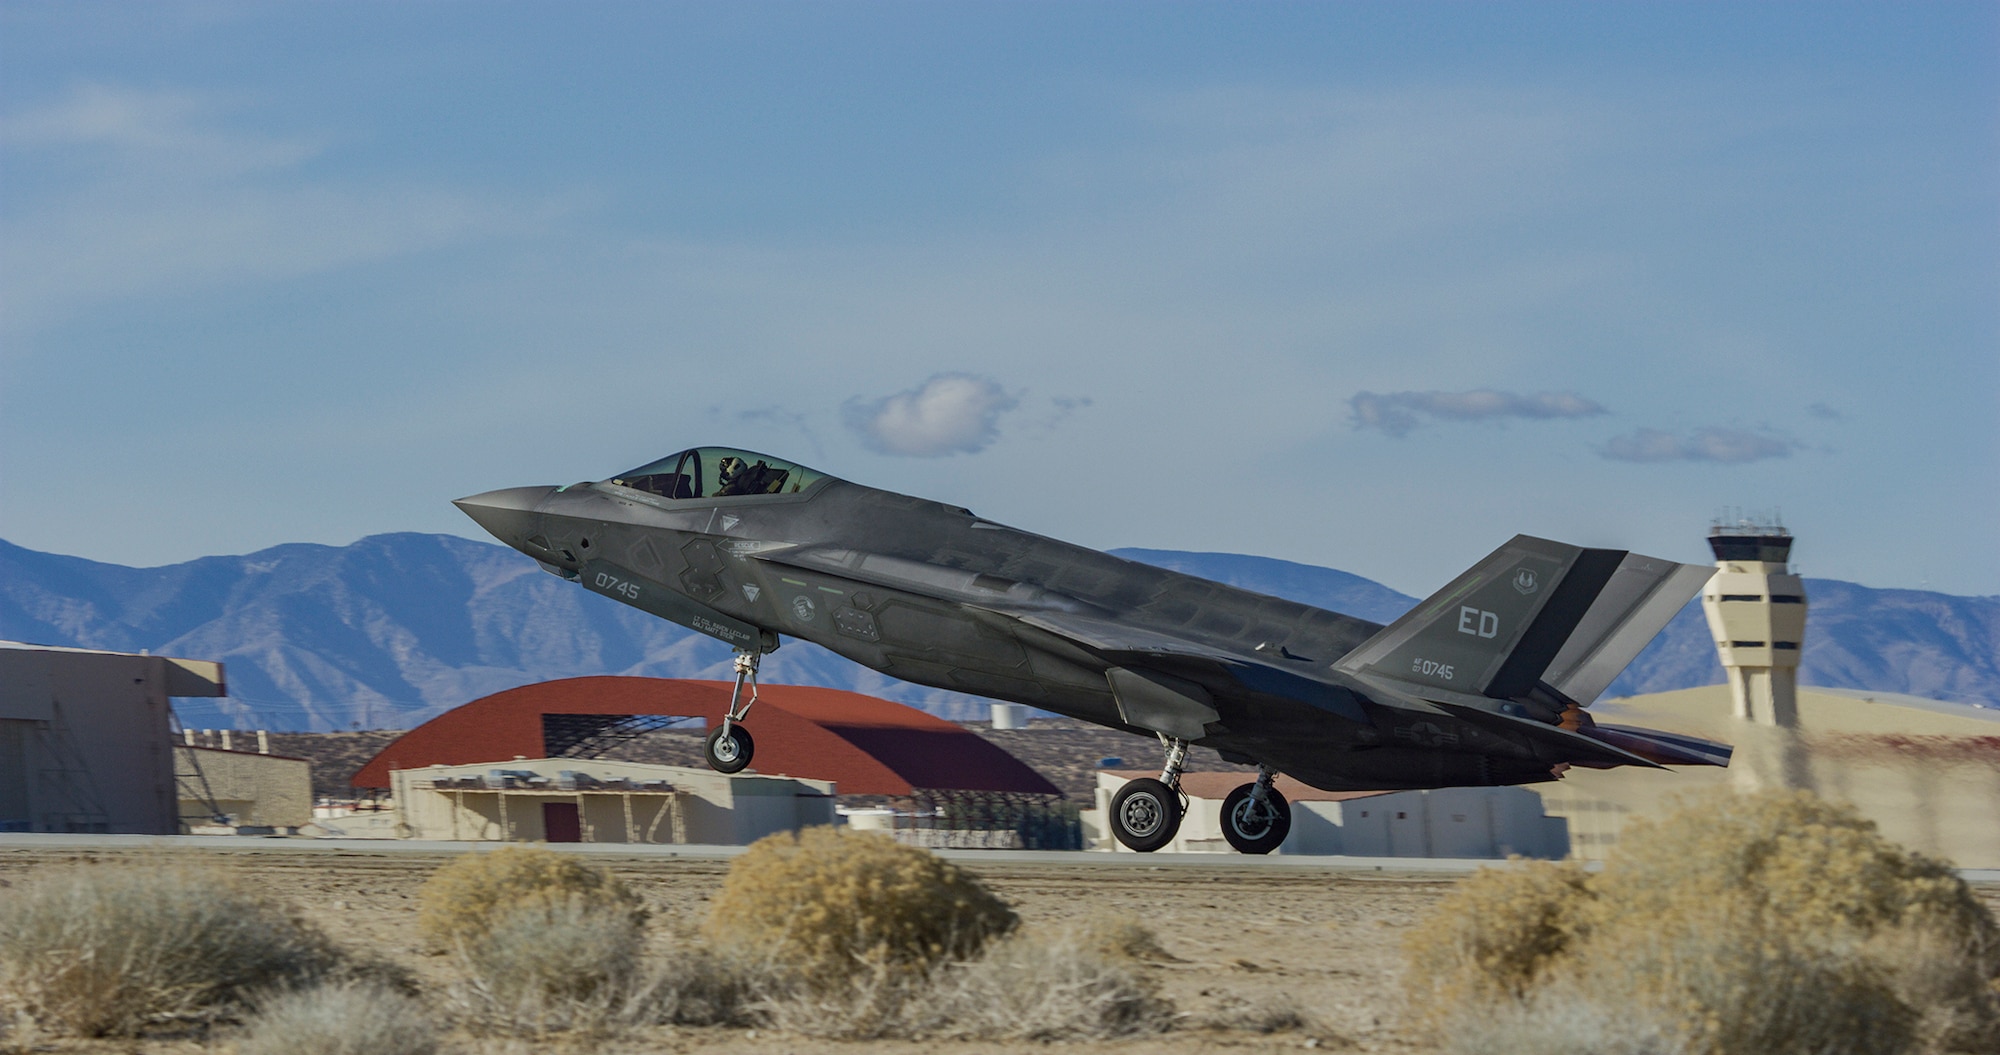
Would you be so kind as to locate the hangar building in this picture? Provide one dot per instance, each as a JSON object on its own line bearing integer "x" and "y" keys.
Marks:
{"x": 85, "y": 738}
{"x": 943, "y": 775}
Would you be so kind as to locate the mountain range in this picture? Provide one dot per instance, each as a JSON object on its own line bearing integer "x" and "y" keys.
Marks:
{"x": 394, "y": 629}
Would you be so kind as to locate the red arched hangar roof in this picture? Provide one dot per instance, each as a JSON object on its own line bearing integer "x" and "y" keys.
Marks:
{"x": 865, "y": 745}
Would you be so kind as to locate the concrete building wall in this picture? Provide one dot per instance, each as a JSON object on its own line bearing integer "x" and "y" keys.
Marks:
{"x": 1927, "y": 773}
{"x": 84, "y": 738}
{"x": 702, "y": 806}
{"x": 249, "y": 788}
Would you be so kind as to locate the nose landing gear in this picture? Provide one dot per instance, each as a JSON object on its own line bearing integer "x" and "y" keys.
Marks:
{"x": 1146, "y": 813}
{"x": 729, "y": 746}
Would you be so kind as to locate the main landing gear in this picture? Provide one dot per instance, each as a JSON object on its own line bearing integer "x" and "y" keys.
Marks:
{"x": 1146, "y": 813}
{"x": 1255, "y": 818}
{"x": 729, "y": 745}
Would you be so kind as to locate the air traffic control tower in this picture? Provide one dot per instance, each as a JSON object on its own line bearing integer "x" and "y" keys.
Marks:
{"x": 1757, "y": 614}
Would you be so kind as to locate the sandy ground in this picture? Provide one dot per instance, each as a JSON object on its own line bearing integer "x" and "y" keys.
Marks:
{"x": 1328, "y": 941}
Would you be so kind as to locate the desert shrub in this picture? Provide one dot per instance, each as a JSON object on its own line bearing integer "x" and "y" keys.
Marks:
{"x": 1270, "y": 1013}
{"x": 1819, "y": 867}
{"x": 461, "y": 899}
{"x": 1555, "y": 1024}
{"x": 1026, "y": 988}
{"x": 551, "y": 963}
{"x": 873, "y": 999}
{"x": 1770, "y": 923}
{"x": 1946, "y": 983}
{"x": 694, "y": 985}
{"x": 115, "y": 949}
{"x": 1120, "y": 937}
{"x": 1494, "y": 935}
{"x": 343, "y": 1019}
{"x": 1729, "y": 982}
{"x": 825, "y": 904}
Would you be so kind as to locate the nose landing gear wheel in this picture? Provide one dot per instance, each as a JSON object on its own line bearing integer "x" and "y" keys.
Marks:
{"x": 1145, "y": 814}
{"x": 1254, "y": 829}
{"x": 729, "y": 748}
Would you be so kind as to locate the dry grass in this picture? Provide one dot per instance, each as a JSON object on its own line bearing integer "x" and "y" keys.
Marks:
{"x": 462, "y": 899}
{"x": 1742, "y": 925}
{"x": 347, "y": 1019}
{"x": 1555, "y": 1025}
{"x": 117, "y": 950}
{"x": 563, "y": 962}
{"x": 836, "y": 907}
{"x": 1025, "y": 988}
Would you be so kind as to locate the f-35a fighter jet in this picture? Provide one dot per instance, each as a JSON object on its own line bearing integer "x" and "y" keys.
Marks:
{"x": 1483, "y": 683}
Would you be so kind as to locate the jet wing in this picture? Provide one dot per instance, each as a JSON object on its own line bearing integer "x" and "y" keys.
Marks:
{"x": 1113, "y": 639}
{"x": 1109, "y": 636}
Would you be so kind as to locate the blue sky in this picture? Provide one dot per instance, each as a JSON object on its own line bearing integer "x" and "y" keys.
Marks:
{"x": 1371, "y": 286}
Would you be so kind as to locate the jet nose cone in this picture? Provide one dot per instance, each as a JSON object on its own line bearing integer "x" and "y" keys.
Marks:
{"x": 508, "y": 513}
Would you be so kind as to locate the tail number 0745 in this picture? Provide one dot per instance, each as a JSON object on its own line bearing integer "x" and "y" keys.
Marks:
{"x": 621, "y": 587}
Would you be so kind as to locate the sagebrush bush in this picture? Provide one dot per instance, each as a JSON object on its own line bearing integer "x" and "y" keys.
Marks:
{"x": 1555, "y": 1024}
{"x": 1820, "y": 867}
{"x": 114, "y": 949}
{"x": 825, "y": 904}
{"x": 461, "y": 899}
{"x": 552, "y": 963}
{"x": 343, "y": 1019}
{"x": 1027, "y": 988}
{"x": 1728, "y": 982}
{"x": 1741, "y": 925}
{"x": 1496, "y": 933}
{"x": 693, "y": 985}
{"x": 1120, "y": 937}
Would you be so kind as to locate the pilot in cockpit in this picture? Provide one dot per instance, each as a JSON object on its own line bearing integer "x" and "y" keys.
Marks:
{"x": 733, "y": 477}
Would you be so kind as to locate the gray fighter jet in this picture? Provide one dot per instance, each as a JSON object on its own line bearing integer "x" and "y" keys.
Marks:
{"x": 1483, "y": 683}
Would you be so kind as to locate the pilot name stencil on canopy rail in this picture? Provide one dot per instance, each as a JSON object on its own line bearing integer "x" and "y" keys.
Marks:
{"x": 1484, "y": 683}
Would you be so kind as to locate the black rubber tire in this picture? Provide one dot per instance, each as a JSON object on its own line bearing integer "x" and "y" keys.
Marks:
{"x": 1251, "y": 834}
{"x": 731, "y": 756}
{"x": 1145, "y": 814}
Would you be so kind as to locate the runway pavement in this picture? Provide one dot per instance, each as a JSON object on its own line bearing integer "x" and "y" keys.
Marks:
{"x": 1048, "y": 858}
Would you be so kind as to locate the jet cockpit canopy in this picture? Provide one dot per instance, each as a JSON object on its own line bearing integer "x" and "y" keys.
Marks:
{"x": 718, "y": 472}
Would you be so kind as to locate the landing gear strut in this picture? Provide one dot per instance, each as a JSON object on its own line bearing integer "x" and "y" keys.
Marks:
{"x": 1255, "y": 818}
{"x": 1146, "y": 813}
{"x": 729, "y": 746}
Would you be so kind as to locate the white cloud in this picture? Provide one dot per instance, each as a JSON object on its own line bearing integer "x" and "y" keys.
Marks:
{"x": 1725, "y": 446}
{"x": 949, "y": 414}
{"x": 1396, "y": 412}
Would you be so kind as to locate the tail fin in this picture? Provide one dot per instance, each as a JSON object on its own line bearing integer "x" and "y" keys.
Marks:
{"x": 1533, "y": 612}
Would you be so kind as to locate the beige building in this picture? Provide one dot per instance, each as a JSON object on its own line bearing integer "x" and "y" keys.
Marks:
{"x": 242, "y": 789}
{"x": 85, "y": 742}
{"x": 599, "y": 801}
{"x": 1448, "y": 822}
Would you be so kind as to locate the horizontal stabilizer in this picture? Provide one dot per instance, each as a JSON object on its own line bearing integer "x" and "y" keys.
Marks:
{"x": 1578, "y": 747}
{"x": 1668, "y": 749}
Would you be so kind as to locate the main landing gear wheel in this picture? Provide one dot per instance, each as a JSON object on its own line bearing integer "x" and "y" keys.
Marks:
{"x": 1255, "y": 828}
{"x": 729, "y": 748}
{"x": 1145, "y": 814}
